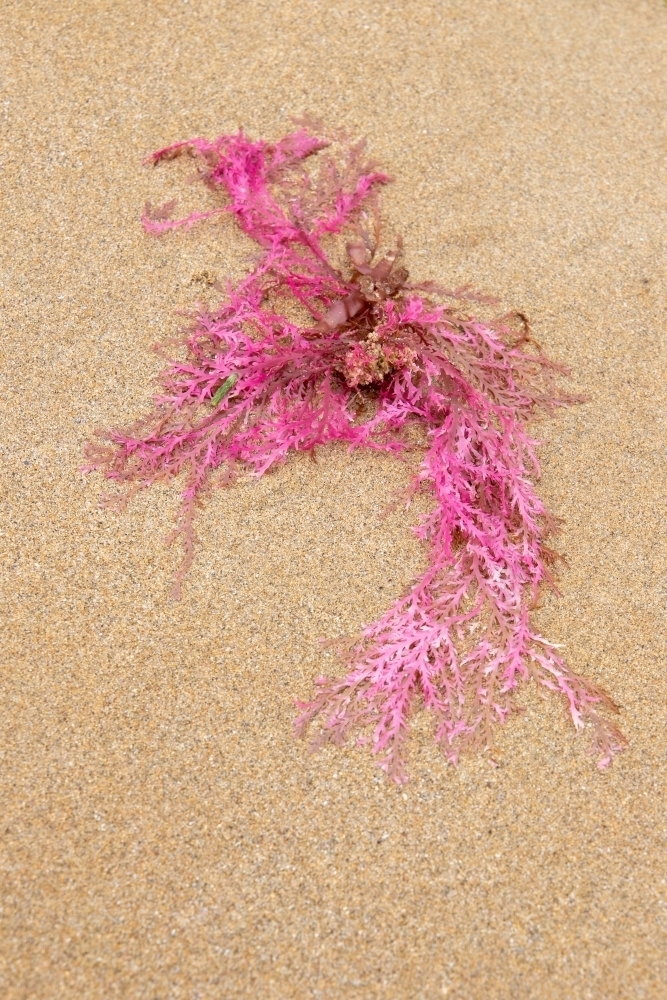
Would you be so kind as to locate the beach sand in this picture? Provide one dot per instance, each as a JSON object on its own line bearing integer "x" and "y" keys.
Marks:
{"x": 163, "y": 834}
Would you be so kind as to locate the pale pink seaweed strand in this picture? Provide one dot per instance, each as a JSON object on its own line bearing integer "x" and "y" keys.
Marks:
{"x": 461, "y": 637}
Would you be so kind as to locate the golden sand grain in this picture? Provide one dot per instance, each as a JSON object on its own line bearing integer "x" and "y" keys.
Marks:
{"x": 162, "y": 835}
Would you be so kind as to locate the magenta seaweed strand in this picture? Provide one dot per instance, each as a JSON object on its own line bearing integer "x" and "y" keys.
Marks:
{"x": 378, "y": 358}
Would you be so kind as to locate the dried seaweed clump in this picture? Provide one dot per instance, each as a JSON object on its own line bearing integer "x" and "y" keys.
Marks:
{"x": 377, "y": 357}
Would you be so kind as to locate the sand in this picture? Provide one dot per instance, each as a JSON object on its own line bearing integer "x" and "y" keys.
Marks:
{"x": 163, "y": 835}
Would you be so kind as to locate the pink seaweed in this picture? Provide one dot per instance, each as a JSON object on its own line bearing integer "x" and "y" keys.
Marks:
{"x": 378, "y": 358}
